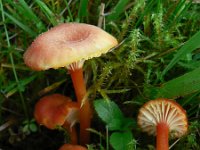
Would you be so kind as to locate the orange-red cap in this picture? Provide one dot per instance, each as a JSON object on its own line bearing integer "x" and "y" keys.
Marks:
{"x": 56, "y": 109}
{"x": 163, "y": 111}
{"x": 68, "y": 43}
{"x": 72, "y": 147}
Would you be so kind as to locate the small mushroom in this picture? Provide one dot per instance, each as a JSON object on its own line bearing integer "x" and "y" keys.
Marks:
{"x": 69, "y": 45}
{"x": 163, "y": 118}
{"x": 72, "y": 147}
{"x": 58, "y": 110}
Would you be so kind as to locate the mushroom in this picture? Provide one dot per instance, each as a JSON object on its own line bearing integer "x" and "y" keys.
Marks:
{"x": 69, "y": 45}
{"x": 58, "y": 110}
{"x": 72, "y": 147}
{"x": 163, "y": 118}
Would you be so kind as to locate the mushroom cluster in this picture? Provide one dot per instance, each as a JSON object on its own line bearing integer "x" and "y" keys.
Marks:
{"x": 69, "y": 45}
{"x": 164, "y": 118}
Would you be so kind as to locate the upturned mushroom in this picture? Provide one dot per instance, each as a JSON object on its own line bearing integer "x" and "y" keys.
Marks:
{"x": 69, "y": 45}
{"x": 72, "y": 147}
{"x": 164, "y": 118}
{"x": 58, "y": 110}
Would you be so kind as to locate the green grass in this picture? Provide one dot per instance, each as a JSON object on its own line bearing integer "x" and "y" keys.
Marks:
{"x": 158, "y": 56}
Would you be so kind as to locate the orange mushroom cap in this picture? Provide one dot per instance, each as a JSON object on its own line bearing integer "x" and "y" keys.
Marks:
{"x": 72, "y": 147}
{"x": 68, "y": 43}
{"x": 55, "y": 110}
{"x": 163, "y": 111}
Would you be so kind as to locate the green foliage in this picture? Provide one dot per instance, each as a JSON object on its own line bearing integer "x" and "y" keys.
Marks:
{"x": 191, "y": 141}
{"x": 184, "y": 85}
{"x": 157, "y": 56}
{"x": 109, "y": 112}
{"x": 12, "y": 87}
{"x": 82, "y": 12}
{"x": 191, "y": 45}
{"x": 48, "y": 13}
{"x": 118, "y": 10}
{"x": 193, "y": 138}
{"x": 29, "y": 126}
{"x": 121, "y": 140}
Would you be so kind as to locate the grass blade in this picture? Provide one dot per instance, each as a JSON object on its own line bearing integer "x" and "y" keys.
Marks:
{"x": 31, "y": 14}
{"x": 13, "y": 88}
{"x": 118, "y": 9}
{"x": 21, "y": 25}
{"x": 82, "y": 12}
{"x": 69, "y": 11}
{"x": 12, "y": 62}
{"x": 192, "y": 44}
{"x": 148, "y": 8}
{"x": 179, "y": 11}
{"x": 181, "y": 86}
{"x": 48, "y": 13}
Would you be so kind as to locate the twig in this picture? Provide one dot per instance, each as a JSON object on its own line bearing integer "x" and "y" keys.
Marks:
{"x": 170, "y": 50}
{"x": 101, "y": 20}
{"x": 10, "y": 111}
{"x": 6, "y": 125}
{"x": 174, "y": 143}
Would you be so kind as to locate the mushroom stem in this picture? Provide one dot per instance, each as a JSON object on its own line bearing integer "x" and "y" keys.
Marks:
{"x": 72, "y": 133}
{"x": 162, "y": 136}
{"x": 85, "y": 110}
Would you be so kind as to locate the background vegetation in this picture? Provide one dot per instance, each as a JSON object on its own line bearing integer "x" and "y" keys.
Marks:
{"x": 158, "y": 56}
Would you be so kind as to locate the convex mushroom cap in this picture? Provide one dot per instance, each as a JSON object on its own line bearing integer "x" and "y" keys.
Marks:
{"x": 72, "y": 147}
{"x": 68, "y": 43}
{"x": 55, "y": 110}
{"x": 163, "y": 111}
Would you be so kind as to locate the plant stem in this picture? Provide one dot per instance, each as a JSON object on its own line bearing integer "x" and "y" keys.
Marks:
{"x": 85, "y": 110}
{"x": 162, "y": 130}
{"x": 107, "y": 138}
